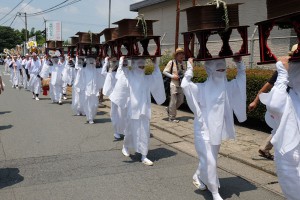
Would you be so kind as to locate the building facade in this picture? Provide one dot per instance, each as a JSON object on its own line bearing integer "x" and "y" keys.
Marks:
{"x": 250, "y": 12}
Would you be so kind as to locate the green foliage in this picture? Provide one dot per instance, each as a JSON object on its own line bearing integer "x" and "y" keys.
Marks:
{"x": 165, "y": 58}
{"x": 10, "y": 37}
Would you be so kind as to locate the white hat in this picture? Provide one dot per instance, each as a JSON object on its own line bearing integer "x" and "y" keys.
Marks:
{"x": 294, "y": 48}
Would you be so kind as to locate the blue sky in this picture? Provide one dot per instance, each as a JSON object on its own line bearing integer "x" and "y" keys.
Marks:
{"x": 82, "y": 16}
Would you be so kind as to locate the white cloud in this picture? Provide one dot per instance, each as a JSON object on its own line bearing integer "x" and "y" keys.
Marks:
{"x": 29, "y": 9}
{"x": 4, "y": 10}
{"x": 71, "y": 10}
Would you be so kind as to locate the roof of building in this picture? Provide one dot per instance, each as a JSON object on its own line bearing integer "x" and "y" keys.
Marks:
{"x": 136, "y": 6}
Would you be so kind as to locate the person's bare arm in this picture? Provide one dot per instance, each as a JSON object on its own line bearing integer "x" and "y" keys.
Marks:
{"x": 267, "y": 87}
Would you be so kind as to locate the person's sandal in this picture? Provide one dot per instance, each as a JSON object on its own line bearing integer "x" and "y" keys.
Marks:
{"x": 266, "y": 155}
{"x": 174, "y": 120}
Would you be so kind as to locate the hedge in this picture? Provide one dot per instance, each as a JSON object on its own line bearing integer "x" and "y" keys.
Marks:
{"x": 256, "y": 78}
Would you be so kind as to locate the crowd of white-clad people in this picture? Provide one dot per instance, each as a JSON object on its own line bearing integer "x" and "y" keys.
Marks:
{"x": 214, "y": 103}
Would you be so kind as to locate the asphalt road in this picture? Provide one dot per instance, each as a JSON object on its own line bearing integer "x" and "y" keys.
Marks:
{"x": 48, "y": 153}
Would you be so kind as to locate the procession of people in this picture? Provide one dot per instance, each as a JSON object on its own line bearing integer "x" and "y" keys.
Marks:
{"x": 214, "y": 103}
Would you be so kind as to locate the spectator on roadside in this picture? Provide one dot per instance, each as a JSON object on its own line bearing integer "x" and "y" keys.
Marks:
{"x": 265, "y": 148}
{"x": 175, "y": 70}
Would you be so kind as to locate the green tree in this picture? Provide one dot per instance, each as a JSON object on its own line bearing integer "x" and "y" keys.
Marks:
{"x": 9, "y": 38}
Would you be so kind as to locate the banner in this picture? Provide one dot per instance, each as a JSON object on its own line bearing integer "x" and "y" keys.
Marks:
{"x": 53, "y": 30}
{"x": 31, "y": 44}
{"x": 33, "y": 38}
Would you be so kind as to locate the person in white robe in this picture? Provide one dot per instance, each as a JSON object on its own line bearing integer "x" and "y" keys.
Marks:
{"x": 213, "y": 104}
{"x": 34, "y": 67}
{"x": 69, "y": 73}
{"x": 78, "y": 95}
{"x": 92, "y": 87}
{"x": 15, "y": 73}
{"x": 25, "y": 72}
{"x": 11, "y": 68}
{"x": 99, "y": 67}
{"x": 69, "y": 76}
{"x": 56, "y": 82}
{"x": 139, "y": 89}
{"x": 45, "y": 72}
{"x": 63, "y": 63}
{"x": 283, "y": 116}
{"x": 6, "y": 64}
{"x": 109, "y": 71}
{"x": 119, "y": 116}
{"x": 20, "y": 59}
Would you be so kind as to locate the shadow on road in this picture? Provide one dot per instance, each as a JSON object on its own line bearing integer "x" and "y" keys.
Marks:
{"x": 5, "y": 127}
{"x": 229, "y": 186}
{"x": 154, "y": 155}
{"x": 183, "y": 119}
{"x": 101, "y": 121}
{"x": 160, "y": 153}
{"x": 101, "y": 113}
{"x": 4, "y": 112}
{"x": 9, "y": 177}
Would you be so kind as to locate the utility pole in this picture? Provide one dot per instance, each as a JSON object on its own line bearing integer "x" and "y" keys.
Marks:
{"x": 177, "y": 24}
{"x": 109, "y": 13}
{"x": 45, "y": 21}
{"x": 26, "y": 36}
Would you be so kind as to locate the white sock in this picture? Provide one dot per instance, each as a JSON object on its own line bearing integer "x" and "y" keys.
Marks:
{"x": 217, "y": 196}
{"x": 143, "y": 157}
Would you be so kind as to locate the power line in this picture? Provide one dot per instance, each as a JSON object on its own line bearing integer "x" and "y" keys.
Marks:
{"x": 48, "y": 8}
{"x": 13, "y": 20}
{"x": 11, "y": 10}
{"x": 62, "y": 6}
{"x": 7, "y": 20}
{"x": 26, "y": 5}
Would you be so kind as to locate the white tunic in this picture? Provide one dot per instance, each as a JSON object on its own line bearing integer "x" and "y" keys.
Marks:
{"x": 34, "y": 68}
{"x": 283, "y": 116}
{"x": 92, "y": 87}
{"x": 119, "y": 114}
{"x": 56, "y": 82}
{"x": 140, "y": 87}
{"x": 213, "y": 104}
{"x": 78, "y": 95}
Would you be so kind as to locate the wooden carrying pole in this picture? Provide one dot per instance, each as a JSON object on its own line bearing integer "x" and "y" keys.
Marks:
{"x": 193, "y": 40}
{"x": 177, "y": 24}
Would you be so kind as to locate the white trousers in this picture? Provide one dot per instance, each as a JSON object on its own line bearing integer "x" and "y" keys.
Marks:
{"x": 118, "y": 119}
{"x": 64, "y": 90}
{"x": 91, "y": 106}
{"x": 25, "y": 81}
{"x": 138, "y": 135}
{"x": 208, "y": 155}
{"x": 11, "y": 75}
{"x": 75, "y": 99}
{"x": 78, "y": 101}
{"x": 288, "y": 172}
{"x": 16, "y": 77}
{"x": 35, "y": 84}
{"x": 55, "y": 92}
